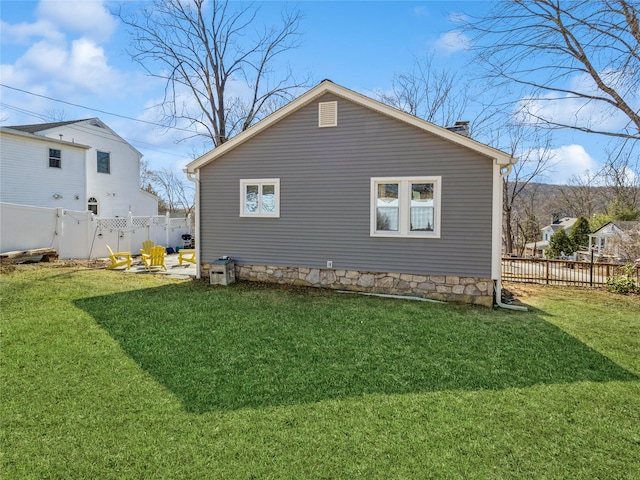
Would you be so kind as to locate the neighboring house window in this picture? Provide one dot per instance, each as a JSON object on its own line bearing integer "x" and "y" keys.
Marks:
{"x": 405, "y": 207}
{"x": 92, "y": 205}
{"x": 260, "y": 198}
{"x": 104, "y": 162}
{"x": 55, "y": 158}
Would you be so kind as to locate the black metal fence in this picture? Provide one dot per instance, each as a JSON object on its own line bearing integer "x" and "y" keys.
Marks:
{"x": 560, "y": 272}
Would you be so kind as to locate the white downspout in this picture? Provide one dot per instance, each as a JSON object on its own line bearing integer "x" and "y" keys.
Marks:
{"x": 503, "y": 174}
{"x": 192, "y": 176}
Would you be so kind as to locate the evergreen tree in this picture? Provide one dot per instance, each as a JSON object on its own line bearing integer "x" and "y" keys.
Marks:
{"x": 619, "y": 211}
{"x": 559, "y": 244}
{"x": 580, "y": 234}
{"x": 599, "y": 220}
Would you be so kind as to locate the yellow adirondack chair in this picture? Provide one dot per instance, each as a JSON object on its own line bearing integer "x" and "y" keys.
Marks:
{"x": 147, "y": 245}
{"x": 155, "y": 258}
{"x": 119, "y": 259}
{"x": 187, "y": 255}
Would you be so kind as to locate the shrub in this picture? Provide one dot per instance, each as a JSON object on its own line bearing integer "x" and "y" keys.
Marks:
{"x": 625, "y": 282}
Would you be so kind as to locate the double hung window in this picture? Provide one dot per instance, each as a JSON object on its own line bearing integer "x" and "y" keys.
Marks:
{"x": 260, "y": 198}
{"x": 405, "y": 207}
{"x": 55, "y": 158}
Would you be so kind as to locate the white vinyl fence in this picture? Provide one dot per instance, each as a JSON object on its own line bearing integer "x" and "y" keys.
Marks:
{"x": 82, "y": 235}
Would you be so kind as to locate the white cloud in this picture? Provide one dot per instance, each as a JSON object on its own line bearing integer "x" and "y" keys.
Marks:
{"x": 89, "y": 66}
{"x": 43, "y": 59}
{"x": 62, "y": 56}
{"x": 88, "y": 18}
{"x": 81, "y": 67}
{"x": 452, "y": 42}
{"x": 569, "y": 111}
{"x": 23, "y": 33}
{"x": 420, "y": 12}
{"x": 566, "y": 109}
{"x": 570, "y": 160}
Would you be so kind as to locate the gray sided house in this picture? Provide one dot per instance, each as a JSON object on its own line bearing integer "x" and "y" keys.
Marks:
{"x": 338, "y": 190}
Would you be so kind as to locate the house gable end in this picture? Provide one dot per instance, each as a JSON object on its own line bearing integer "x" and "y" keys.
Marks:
{"x": 87, "y": 126}
{"x": 327, "y": 87}
{"x": 324, "y": 176}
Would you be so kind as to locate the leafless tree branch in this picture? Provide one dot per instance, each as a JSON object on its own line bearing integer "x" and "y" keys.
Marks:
{"x": 221, "y": 73}
{"x": 586, "y": 50}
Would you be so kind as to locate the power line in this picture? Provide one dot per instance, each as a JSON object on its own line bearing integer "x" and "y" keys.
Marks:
{"x": 22, "y": 110}
{"x": 129, "y": 141}
{"x": 95, "y": 109}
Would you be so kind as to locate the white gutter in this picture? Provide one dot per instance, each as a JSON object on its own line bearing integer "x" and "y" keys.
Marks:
{"x": 503, "y": 174}
{"x": 194, "y": 177}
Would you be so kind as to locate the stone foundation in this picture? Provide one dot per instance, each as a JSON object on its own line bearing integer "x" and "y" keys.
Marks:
{"x": 473, "y": 290}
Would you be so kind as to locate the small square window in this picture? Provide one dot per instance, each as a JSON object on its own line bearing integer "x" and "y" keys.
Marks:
{"x": 104, "y": 162}
{"x": 260, "y": 198}
{"x": 55, "y": 158}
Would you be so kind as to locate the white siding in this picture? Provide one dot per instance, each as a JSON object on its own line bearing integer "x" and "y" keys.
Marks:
{"x": 27, "y": 179}
{"x": 118, "y": 191}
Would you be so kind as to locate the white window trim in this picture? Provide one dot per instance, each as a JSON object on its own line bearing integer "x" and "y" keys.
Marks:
{"x": 405, "y": 207}
{"x": 260, "y": 182}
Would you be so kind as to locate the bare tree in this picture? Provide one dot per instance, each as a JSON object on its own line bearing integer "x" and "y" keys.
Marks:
{"x": 525, "y": 216}
{"x": 626, "y": 246}
{"x": 535, "y": 159}
{"x": 220, "y": 68}
{"x": 622, "y": 176}
{"x": 175, "y": 191}
{"x": 146, "y": 177}
{"x": 56, "y": 115}
{"x": 582, "y": 196}
{"x": 577, "y": 55}
{"x": 432, "y": 94}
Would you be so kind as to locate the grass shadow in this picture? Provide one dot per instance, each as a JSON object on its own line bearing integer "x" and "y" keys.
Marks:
{"x": 254, "y": 346}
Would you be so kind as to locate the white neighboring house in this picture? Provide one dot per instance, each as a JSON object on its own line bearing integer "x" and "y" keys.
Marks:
{"x": 537, "y": 248}
{"x": 610, "y": 239}
{"x": 76, "y": 165}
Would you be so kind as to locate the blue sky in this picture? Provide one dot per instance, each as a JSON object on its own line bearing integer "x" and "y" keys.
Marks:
{"x": 73, "y": 51}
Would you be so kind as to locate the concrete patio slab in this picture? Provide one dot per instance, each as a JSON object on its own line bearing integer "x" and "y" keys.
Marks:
{"x": 174, "y": 270}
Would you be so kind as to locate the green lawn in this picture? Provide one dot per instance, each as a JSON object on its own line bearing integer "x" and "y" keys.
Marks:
{"x": 108, "y": 375}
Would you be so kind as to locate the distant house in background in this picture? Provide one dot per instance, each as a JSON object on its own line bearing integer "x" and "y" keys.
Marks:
{"x": 340, "y": 191}
{"x": 76, "y": 165}
{"x": 537, "y": 248}
{"x": 613, "y": 240}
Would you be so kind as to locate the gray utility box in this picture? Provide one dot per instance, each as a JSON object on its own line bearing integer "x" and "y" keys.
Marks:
{"x": 222, "y": 271}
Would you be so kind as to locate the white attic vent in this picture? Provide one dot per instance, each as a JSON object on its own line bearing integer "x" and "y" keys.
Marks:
{"x": 328, "y": 114}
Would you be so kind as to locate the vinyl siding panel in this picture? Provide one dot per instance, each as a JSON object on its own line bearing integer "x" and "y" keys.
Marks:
{"x": 325, "y": 177}
{"x": 117, "y": 192}
{"x": 27, "y": 179}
